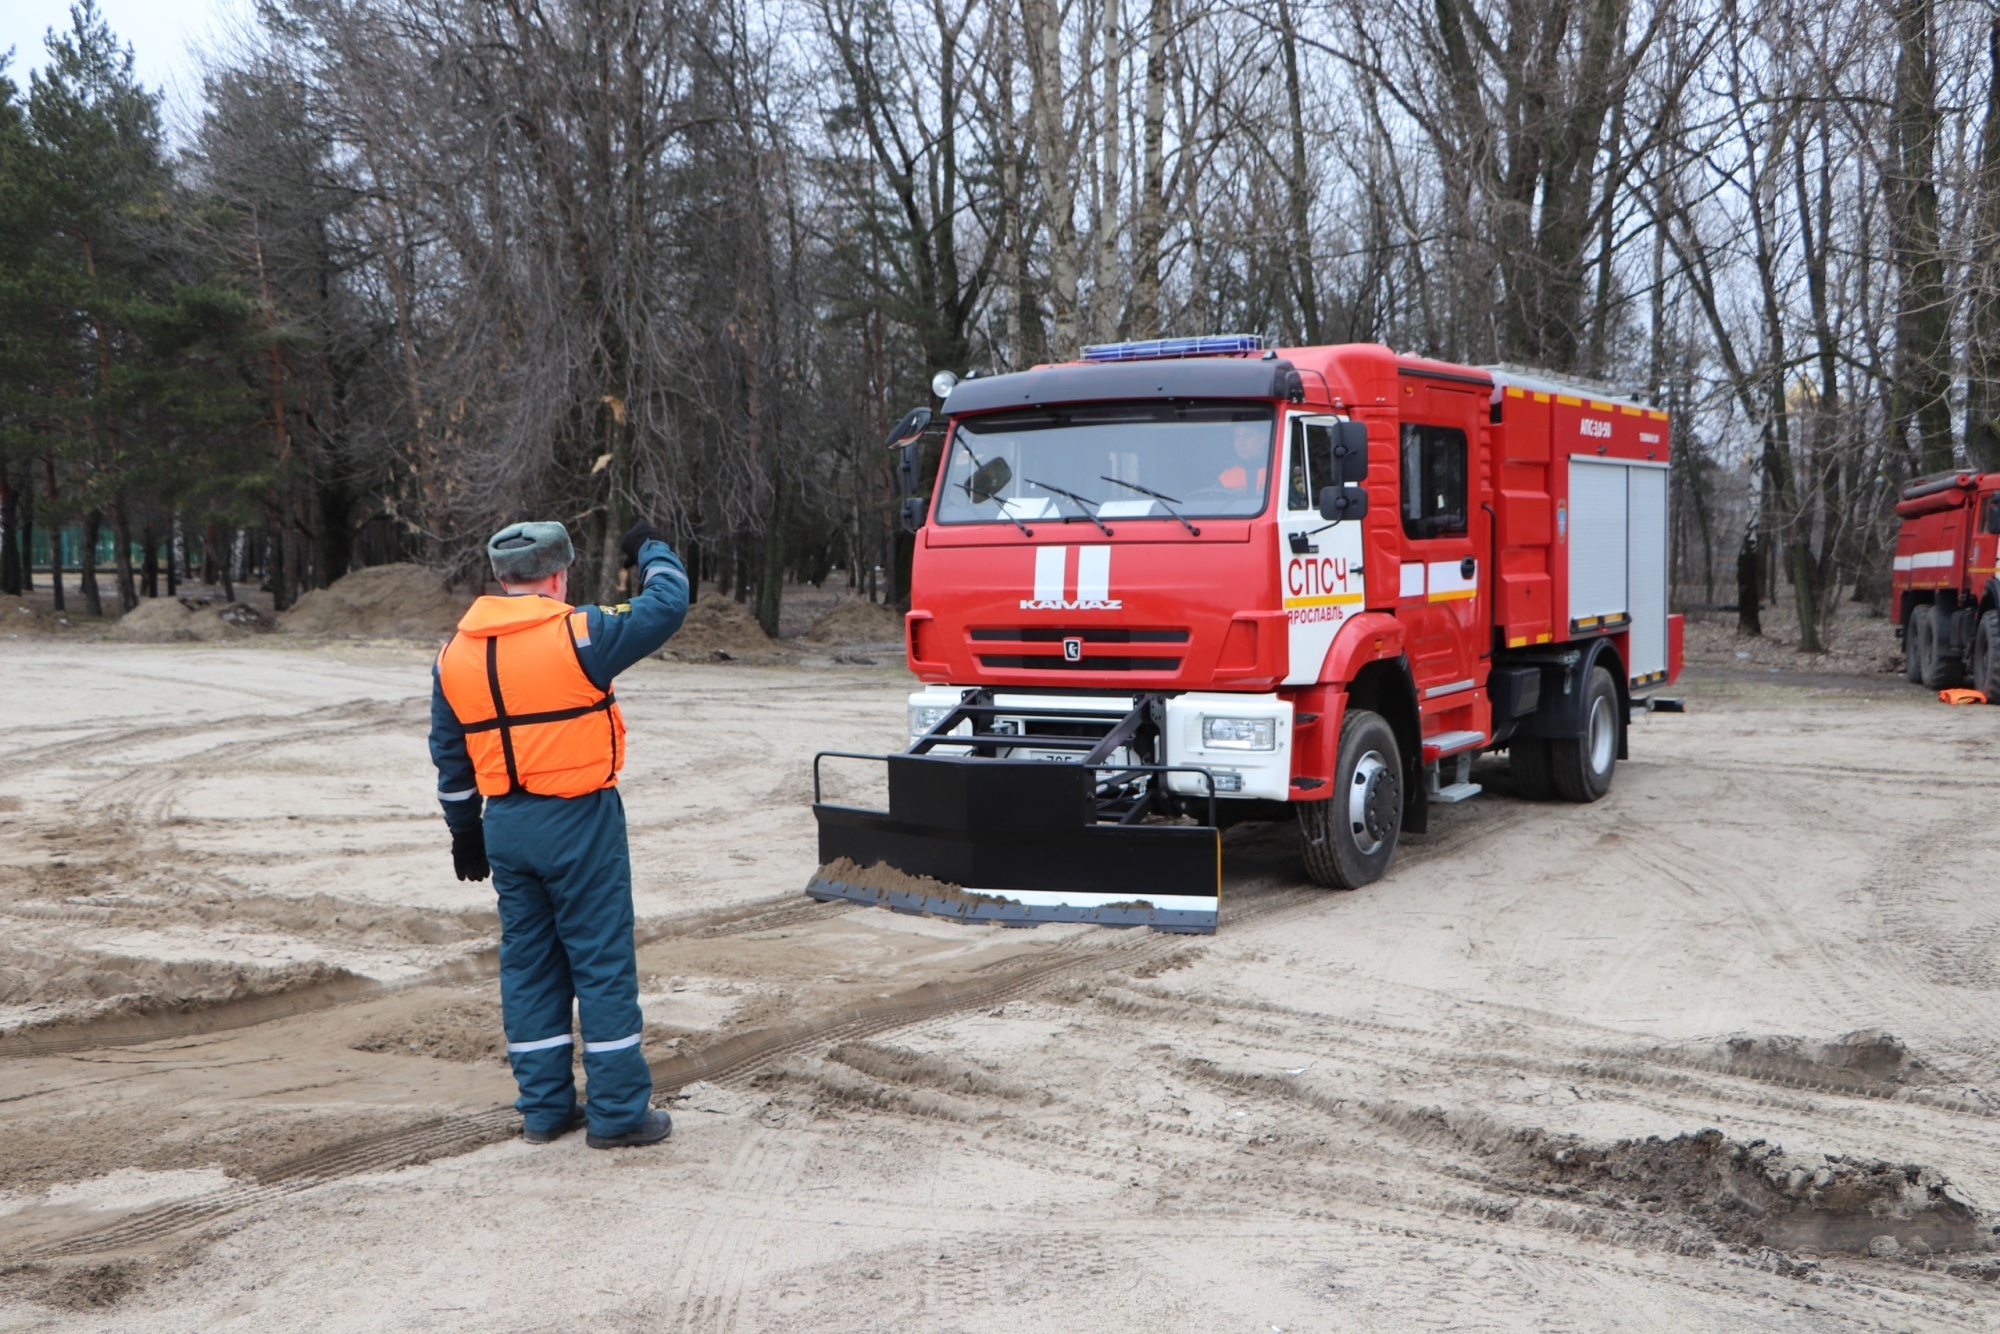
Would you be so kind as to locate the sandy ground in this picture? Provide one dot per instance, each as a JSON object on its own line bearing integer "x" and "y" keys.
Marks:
{"x": 249, "y": 1069}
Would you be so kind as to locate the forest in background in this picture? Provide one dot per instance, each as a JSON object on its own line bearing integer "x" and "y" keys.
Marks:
{"x": 422, "y": 267}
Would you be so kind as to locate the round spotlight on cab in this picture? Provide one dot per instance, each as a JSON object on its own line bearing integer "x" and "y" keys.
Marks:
{"x": 943, "y": 383}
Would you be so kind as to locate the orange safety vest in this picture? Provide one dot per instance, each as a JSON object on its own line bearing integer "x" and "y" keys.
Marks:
{"x": 513, "y": 677}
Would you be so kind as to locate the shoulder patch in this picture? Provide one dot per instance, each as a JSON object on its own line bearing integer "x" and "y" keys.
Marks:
{"x": 620, "y": 610}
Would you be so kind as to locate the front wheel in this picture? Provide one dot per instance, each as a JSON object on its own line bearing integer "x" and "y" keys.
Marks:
{"x": 1581, "y": 766}
{"x": 1350, "y": 837}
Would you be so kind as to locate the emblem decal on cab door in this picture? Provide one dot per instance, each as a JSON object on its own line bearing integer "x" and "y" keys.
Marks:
{"x": 1079, "y": 584}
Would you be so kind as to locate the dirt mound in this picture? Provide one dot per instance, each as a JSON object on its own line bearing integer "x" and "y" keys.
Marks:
{"x": 857, "y": 622}
{"x": 462, "y": 1031}
{"x": 1868, "y": 1056}
{"x": 718, "y": 629}
{"x": 189, "y": 620}
{"x": 900, "y": 1065}
{"x": 86, "y": 987}
{"x": 19, "y": 617}
{"x": 1757, "y": 1194}
{"x": 381, "y": 602}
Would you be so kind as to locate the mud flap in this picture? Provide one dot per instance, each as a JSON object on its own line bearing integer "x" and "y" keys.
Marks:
{"x": 1018, "y": 842}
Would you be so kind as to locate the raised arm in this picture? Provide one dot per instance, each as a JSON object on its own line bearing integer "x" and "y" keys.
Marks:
{"x": 621, "y": 635}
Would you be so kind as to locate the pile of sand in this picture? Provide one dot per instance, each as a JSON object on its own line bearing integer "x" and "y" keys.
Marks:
{"x": 19, "y": 617}
{"x": 719, "y": 628}
{"x": 381, "y": 602}
{"x": 189, "y": 620}
{"x": 858, "y": 622}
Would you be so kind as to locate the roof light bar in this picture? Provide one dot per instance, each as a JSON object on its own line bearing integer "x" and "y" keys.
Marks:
{"x": 1214, "y": 345}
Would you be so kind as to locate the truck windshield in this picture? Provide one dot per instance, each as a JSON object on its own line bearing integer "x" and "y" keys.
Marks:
{"x": 1125, "y": 460}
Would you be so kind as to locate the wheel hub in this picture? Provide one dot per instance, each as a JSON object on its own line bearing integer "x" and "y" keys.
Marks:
{"x": 1603, "y": 735}
{"x": 1373, "y": 802}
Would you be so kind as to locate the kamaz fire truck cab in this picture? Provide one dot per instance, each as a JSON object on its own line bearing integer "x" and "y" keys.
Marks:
{"x": 1182, "y": 584}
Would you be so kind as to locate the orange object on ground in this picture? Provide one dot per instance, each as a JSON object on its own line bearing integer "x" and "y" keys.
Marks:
{"x": 1958, "y": 695}
{"x": 533, "y": 720}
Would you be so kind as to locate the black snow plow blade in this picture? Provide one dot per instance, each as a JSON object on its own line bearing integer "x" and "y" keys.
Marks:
{"x": 1019, "y": 842}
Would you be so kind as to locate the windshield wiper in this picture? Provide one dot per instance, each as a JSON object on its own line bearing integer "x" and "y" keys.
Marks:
{"x": 1167, "y": 501}
{"x": 1089, "y": 505}
{"x": 1010, "y": 518}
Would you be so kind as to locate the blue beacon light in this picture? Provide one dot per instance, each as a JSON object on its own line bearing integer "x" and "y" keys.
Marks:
{"x": 1152, "y": 349}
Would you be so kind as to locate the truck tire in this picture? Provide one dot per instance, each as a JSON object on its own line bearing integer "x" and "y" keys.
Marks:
{"x": 1918, "y": 633}
{"x": 1942, "y": 670}
{"x": 1534, "y": 780}
{"x": 1581, "y": 766}
{"x": 1986, "y": 657}
{"x": 1350, "y": 837}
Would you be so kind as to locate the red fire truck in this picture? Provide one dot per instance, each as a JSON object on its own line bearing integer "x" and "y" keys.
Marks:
{"x": 1186, "y": 583}
{"x": 1946, "y": 581}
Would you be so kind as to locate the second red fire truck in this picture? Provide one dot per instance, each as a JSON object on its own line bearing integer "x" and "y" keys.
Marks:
{"x": 1945, "y": 583}
{"x": 1181, "y": 584}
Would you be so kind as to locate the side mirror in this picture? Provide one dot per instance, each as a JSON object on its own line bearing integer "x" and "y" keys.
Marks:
{"x": 914, "y": 509}
{"x": 1350, "y": 452}
{"x": 1342, "y": 502}
{"x": 906, "y": 469}
{"x": 910, "y": 429}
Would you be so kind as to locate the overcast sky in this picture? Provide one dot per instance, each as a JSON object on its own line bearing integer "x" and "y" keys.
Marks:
{"x": 160, "y": 33}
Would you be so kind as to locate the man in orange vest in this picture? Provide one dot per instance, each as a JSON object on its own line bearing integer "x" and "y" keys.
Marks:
{"x": 523, "y": 722}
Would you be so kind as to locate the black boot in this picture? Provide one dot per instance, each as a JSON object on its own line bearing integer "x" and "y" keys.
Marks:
{"x": 576, "y": 1118}
{"x": 656, "y": 1127}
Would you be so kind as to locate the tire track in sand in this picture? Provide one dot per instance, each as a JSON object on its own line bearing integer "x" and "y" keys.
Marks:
{"x": 1082, "y": 955}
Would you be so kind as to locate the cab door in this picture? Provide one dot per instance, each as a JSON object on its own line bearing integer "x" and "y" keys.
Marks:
{"x": 1319, "y": 563}
{"x": 1442, "y": 597}
{"x": 1983, "y": 562}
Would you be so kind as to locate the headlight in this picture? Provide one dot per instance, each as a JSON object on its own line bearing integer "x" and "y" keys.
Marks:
{"x": 923, "y": 717}
{"x": 1239, "y": 733}
{"x": 943, "y": 383}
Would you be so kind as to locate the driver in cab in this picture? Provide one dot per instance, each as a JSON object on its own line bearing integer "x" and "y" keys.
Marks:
{"x": 1252, "y": 441}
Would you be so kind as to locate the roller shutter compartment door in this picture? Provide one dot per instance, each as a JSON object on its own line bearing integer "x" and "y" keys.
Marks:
{"x": 1598, "y": 540}
{"x": 1646, "y": 570}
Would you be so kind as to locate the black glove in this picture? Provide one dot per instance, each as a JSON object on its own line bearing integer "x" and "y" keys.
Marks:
{"x": 468, "y": 854}
{"x": 642, "y": 533}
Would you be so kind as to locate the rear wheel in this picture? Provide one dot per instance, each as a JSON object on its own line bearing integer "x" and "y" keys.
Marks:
{"x": 1581, "y": 766}
{"x": 1942, "y": 670}
{"x": 1350, "y": 837}
{"x": 1986, "y": 657}
{"x": 1919, "y": 635}
{"x": 1533, "y": 778}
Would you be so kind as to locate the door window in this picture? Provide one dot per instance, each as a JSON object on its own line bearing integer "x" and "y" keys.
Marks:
{"x": 1434, "y": 481}
{"x": 1310, "y": 467}
{"x": 1991, "y": 521}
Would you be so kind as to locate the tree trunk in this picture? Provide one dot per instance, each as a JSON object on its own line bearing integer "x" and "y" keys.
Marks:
{"x": 28, "y": 533}
{"x": 93, "y": 525}
{"x": 121, "y": 556}
{"x": 1982, "y": 416}
{"x": 10, "y": 535}
{"x": 1923, "y": 314}
{"x": 149, "y": 569}
{"x": 1305, "y": 284}
{"x": 771, "y": 588}
{"x": 1043, "y": 44}
{"x": 1104, "y": 281}
{"x": 1152, "y": 181}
